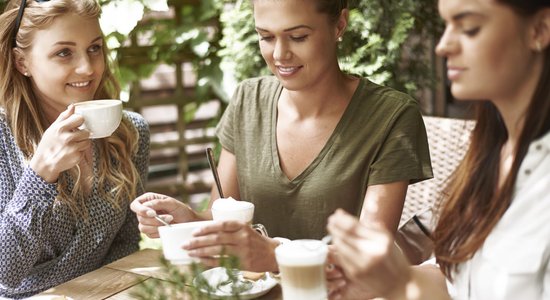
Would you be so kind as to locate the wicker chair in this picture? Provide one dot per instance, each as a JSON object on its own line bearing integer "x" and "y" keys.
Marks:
{"x": 448, "y": 141}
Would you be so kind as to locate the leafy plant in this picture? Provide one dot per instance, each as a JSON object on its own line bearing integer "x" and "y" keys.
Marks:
{"x": 180, "y": 284}
{"x": 189, "y": 34}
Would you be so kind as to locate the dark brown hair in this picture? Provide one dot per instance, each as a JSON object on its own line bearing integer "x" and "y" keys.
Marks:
{"x": 475, "y": 204}
{"x": 333, "y": 8}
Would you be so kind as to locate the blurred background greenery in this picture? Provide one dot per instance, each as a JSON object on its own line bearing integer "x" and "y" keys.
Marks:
{"x": 389, "y": 41}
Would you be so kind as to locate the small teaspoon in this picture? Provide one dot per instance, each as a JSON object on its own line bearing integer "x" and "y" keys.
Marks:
{"x": 162, "y": 220}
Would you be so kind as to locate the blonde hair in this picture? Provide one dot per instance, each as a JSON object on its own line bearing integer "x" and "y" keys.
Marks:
{"x": 117, "y": 174}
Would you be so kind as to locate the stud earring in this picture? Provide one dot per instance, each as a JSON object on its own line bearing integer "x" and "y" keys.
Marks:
{"x": 26, "y": 74}
{"x": 538, "y": 46}
{"x": 340, "y": 39}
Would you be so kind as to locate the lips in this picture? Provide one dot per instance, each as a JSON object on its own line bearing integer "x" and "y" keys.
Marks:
{"x": 454, "y": 73}
{"x": 288, "y": 70}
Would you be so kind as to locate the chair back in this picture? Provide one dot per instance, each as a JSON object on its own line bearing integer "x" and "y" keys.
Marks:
{"x": 448, "y": 141}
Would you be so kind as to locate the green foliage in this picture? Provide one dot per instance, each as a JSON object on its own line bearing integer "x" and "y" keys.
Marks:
{"x": 193, "y": 284}
{"x": 380, "y": 35}
{"x": 240, "y": 51}
{"x": 191, "y": 37}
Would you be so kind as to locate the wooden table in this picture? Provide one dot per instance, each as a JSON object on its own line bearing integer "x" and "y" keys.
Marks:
{"x": 120, "y": 279}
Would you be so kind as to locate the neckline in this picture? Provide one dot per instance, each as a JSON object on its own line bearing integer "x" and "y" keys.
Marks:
{"x": 342, "y": 123}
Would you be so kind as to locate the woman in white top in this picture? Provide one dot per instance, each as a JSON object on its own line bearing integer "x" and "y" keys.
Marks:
{"x": 492, "y": 240}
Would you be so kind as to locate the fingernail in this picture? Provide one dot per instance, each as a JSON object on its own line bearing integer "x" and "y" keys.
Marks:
{"x": 168, "y": 218}
{"x": 185, "y": 245}
{"x": 152, "y": 213}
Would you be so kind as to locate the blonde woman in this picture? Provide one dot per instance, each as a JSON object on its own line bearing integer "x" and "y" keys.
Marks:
{"x": 64, "y": 198}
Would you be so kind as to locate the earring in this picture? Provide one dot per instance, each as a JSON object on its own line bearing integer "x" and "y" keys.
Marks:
{"x": 340, "y": 39}
{"x": 26, "y": 74}
{"x": 538, "y": 46}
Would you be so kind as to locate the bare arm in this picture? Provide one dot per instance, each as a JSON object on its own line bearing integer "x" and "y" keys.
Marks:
{"x": 383, "y": 204}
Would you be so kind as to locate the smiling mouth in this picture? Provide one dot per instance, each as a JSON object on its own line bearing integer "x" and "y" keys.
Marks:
{"x": 80, "y": 84}
{"x": 288, "y": 70}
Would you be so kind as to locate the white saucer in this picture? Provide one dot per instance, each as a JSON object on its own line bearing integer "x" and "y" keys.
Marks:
{"x": 218, "y": 275}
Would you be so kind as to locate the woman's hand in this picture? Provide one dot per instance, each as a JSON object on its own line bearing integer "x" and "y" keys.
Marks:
{"x": 336, "y": 280}
{"x": 255, "y": 252}
{"x": 340, "y": 287}
{"x": 368, "y": 256}
{"x": 62, "y": 146}
{"x": 149, "y": 205}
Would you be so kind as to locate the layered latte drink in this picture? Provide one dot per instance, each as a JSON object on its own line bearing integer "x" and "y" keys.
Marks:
{"x": 301, "y": 263}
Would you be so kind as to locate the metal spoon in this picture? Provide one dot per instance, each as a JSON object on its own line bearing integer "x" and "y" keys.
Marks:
{"x": 161, "y": 220}
{"x": 212, "y": 163}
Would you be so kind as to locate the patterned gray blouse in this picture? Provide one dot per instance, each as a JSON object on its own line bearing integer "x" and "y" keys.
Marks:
{"x": 41, "y": 244}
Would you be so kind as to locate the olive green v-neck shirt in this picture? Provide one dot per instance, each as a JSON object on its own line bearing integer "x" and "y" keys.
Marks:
{"x": 380, "y": 138}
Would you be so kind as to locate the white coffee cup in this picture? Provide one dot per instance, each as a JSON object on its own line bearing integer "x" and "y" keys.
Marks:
{"x": 224, "y": 209}
{"x": 229, "y": 209}
{"x": 301, "y": 264}
{"x": 173, "y": 237}
{"x": 101, "y": 117}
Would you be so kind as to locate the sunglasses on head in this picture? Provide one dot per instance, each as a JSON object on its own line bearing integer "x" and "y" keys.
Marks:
{"x": 19, "y": 16}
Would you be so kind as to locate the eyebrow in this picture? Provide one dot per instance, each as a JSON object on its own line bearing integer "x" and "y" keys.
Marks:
{"x": 463, "y": 15}
{"x": 288, "y": 29}
{"x": 74, "y": 44}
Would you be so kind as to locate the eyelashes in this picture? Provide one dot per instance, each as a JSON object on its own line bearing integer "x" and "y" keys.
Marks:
{"x": 66, "y": 53}
{"x": 298, "y": 39}
{"x": 472, "y": 32}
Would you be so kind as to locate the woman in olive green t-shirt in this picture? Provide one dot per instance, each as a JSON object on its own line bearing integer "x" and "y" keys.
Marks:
{"x": 305, "y": 142}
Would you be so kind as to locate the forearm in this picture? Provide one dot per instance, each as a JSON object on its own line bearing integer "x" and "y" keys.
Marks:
{"x": 423, "y": 282}
{"x": 383, "y": 205}
{"x": 23, "y": 223}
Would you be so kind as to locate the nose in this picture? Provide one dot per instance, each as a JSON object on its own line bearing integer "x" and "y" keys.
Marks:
{"x": 281, "y": 51}
{"x": 84, "y": 65}
{"x": 446, "y": 45}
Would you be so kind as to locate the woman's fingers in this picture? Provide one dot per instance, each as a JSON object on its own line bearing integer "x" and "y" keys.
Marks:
{"x": 152, "y": 221}
{"x": 334, "y": 286}
{"x": 150, "y": 231}
{"x": 150, "y": 204}
{"x": 217, "y": 234}
{"x": 216, "y": 227}
{"x": 65, "y": 114}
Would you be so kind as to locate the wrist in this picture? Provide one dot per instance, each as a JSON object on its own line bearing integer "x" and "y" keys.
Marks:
{"x": 43, "y": 171}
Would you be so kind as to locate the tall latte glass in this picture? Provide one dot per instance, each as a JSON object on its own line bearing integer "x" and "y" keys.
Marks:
{"x": 301, "y": 263}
